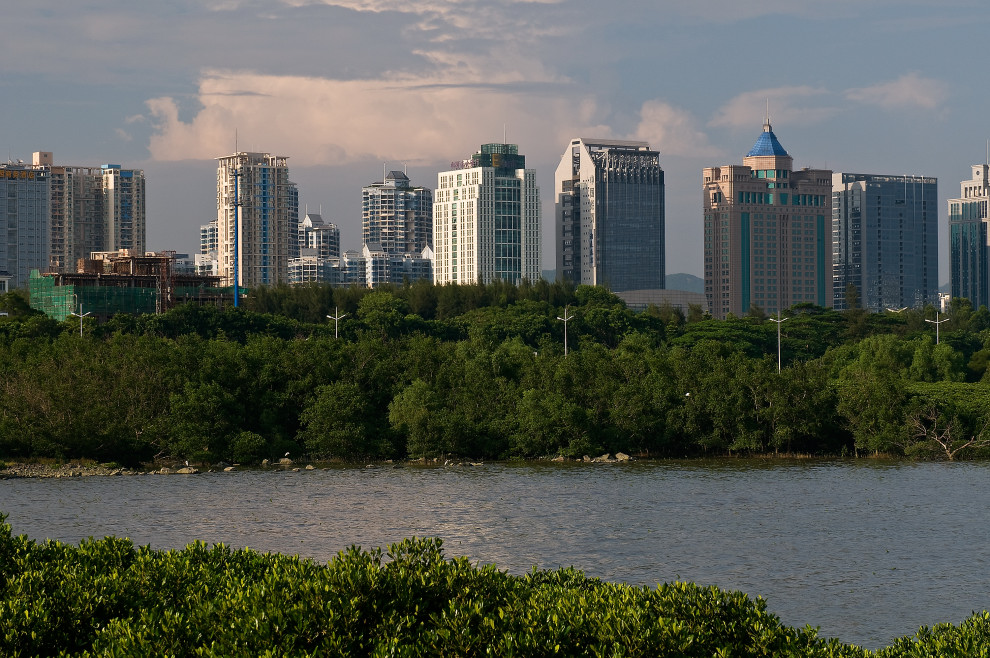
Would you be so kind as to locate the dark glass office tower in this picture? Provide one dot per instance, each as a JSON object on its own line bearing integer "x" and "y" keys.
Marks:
{"x": 609, "y": 209}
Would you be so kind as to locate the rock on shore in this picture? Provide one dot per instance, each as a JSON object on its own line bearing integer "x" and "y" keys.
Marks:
{"x": 61, "y": 470}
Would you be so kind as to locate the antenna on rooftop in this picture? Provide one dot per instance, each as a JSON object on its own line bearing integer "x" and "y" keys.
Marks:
{"x": 503, "y": 133}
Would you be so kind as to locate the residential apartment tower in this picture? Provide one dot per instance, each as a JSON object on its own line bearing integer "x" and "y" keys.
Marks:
{"x": 486, "y": 219}
{"x": 257, "y": 217}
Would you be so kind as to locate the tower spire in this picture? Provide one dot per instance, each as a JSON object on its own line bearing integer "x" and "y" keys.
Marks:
{"x": 766, "y": 123}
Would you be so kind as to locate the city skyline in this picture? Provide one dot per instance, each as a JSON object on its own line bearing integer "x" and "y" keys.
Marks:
{"x": 343, "y": 86}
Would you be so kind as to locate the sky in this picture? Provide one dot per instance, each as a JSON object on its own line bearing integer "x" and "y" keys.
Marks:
{"x": 345, "y": 88}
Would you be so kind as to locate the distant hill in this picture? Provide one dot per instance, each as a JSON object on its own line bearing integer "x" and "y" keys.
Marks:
{"x": 687, "y": 282}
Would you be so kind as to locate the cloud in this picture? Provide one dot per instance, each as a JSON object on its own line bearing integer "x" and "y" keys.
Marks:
{"x": 909, "y": 90}
{"x": 788, "y": 105}
{"x": 319, "y": 121}
{"x": 672, "y": 131}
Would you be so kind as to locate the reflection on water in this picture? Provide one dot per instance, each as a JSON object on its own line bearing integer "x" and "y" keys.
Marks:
{"x": 867, "y": 551}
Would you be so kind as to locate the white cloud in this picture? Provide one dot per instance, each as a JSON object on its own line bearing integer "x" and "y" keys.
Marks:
{"x": 672, "y": 131}
{"x": 788, "y": 105}
{"x": 318, "y": 121}
{"x": 909, "y": 90}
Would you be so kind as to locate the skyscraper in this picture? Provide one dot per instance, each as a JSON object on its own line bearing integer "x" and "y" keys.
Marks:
{"x": 93, "y": 209}
{"x": 969, "y": 242}
{"x": 486, "y": 219}
{"x": 124, "y": 208}
{"x": 396, "y": 215}
{"x": 885, "y": 240}
{"x": 610, "y": 215}
{"x": 767, "y": 232}
{"x": 25, "y": 215}
{"x": 258, "y": 185}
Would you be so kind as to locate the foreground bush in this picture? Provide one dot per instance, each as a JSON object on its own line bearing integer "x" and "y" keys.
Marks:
{"x": 108, "y": 598}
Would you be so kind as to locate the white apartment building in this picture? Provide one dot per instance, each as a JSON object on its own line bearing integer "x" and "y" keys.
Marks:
{"x": 486, "y": 219}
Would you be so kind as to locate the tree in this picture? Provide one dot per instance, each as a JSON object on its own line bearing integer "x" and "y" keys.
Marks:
{"x": 339, "y": 423}
{"x": 931, "y": 424}
{"x": 383, "y": 313}
{"x": 872, "y": 404}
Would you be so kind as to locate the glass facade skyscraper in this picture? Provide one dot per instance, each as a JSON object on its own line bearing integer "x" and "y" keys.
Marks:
{"x": 885, "y": 240}
{"x": 969, "y": 247}
{"x": 486, "y": 219}
{"x": 609, "y": 215}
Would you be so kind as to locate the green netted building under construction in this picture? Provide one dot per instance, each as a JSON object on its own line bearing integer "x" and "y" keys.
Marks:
{"x": 122, "y": 284}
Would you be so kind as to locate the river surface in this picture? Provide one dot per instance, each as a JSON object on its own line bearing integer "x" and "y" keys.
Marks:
{"x": 868, "y": 551}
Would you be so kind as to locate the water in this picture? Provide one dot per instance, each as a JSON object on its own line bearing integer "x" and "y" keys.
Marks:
{"x": 867, "y": 551}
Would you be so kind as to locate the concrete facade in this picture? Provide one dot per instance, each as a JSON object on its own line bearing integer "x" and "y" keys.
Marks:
{"x": 25, "y": 243}
{"x": 768, "y": 241}
{"x": 486, "y": 219}
{"x": 397, "y": 216}
{"x": 257, "y": 218}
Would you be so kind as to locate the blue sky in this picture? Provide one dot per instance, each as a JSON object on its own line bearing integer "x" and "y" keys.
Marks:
{"x": 343, "y": 86}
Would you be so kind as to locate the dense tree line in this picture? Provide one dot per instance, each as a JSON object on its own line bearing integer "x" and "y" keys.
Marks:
{"x": 479, "y": 371}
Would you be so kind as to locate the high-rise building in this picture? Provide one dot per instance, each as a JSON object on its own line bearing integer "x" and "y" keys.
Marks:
{"x": 768, "y": 238}
{"x": 610, "y": 215}
{"x": 396, "y": 215}
{"x": 257, "y": 217}
{"x": 123, "y": 196}
{"x": 93, "y": 209}
{"x": 969, "y": 241}
{"x": 25, "y": 243}
{"x": 316, "y": 248}
{"x": 208, "y": 239}
{"x": 885, "y": 240}
{"x": 321, "y": 238}
{"x": 486, "y": 219}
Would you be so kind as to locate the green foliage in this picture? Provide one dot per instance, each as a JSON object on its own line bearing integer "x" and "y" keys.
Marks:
{"x": 106, "y": 597}
{"x": 479, "y": 371}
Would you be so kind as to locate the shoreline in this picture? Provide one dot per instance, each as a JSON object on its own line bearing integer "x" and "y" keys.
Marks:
{"x": 88, "y": 468}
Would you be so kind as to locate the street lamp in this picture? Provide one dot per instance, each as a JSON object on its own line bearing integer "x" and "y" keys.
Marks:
{"x": 936, "y": 322}
{"x": 779, "y": 322}
{"x": 567, "y": 317}
{"x": 81, "y": 315}
{"x": 336, "y": 317}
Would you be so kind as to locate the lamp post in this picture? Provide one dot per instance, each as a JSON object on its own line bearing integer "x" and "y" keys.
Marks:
{"x": 936, "y": 322}
{"x": 567, "y": 317}
{"x": 237, "y": 246}
{"x": 336, "y": 317}
{"x": 779, "y": 322}
{"x": 81, "y": 315}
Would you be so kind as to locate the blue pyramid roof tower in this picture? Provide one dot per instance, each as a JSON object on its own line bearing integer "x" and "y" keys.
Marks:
{"x": 767, "y": 144}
